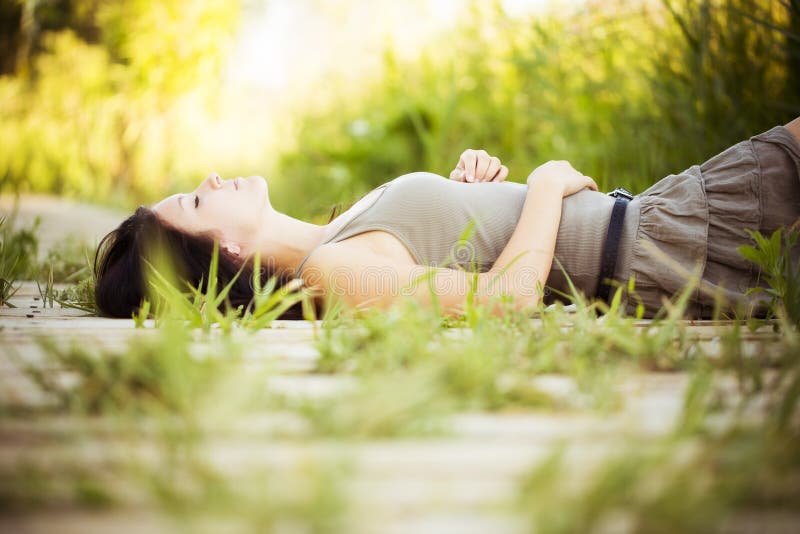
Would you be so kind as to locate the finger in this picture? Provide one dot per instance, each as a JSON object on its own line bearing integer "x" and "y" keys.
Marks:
{"x": 491, "y": 171}
{"x": 482, "y": 166}
{"x": 470, "y": 159}
{"x": 501, "y": 175}
{"x": 592, "y": 184}
{"x": 458, "y": 175}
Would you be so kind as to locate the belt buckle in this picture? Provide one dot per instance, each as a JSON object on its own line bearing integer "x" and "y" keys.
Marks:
{"x": 621, "y": 192}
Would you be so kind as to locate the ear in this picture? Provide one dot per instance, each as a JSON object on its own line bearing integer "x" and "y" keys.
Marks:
{"x": 231, "y": 248}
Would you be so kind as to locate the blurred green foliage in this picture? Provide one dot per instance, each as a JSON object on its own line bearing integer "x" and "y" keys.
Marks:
{"x": 627, "y": 91}
{"x": 17, "y": 256}
{"x": 94, "y": 105}
{"x": 110, "y": 101}
{"x": 773, "y": 254}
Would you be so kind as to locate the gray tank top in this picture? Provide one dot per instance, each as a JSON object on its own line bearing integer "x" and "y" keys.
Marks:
{"x": 429, "y": 213}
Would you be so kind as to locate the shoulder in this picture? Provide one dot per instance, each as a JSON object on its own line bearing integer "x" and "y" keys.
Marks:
{"x": 357, "y": 274}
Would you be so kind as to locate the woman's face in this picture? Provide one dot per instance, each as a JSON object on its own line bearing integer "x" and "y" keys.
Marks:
{"x": 231, "y": 210}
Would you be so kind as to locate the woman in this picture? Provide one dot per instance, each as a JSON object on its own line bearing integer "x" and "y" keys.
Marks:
{"x": 385, "y": 244}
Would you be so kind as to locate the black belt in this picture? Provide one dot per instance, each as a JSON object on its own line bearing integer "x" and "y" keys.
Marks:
{"x": 609, "y": 260}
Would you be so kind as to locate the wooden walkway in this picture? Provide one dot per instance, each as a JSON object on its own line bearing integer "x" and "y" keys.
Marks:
{"x": 463, "y": 482}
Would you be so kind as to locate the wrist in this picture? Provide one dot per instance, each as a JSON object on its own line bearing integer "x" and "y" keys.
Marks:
{"x": 545, "y": 182}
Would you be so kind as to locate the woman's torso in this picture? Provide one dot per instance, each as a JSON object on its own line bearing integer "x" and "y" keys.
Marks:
{"x": 419, "y": 218}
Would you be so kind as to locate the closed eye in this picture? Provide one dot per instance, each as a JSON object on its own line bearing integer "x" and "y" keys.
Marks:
{"x": 196, "y": 201}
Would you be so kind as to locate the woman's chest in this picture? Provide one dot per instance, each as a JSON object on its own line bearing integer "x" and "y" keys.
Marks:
{"x": 372, "y": 240}
{"x": 378, "y": 242}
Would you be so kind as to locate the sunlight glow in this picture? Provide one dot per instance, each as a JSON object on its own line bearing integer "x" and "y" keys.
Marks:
{"x": 285, "y": 45}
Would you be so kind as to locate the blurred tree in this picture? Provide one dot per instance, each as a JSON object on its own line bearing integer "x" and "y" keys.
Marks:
{"x": 22, "y": 23}
{"x": 92, "y": 99}
{"x": 628, "y": 90}
{"x": 10, "y": 23}
{"x": 793, "y": 49}
{"x": 732, "y": 76}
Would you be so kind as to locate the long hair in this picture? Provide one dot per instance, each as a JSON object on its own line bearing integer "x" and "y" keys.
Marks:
{"x": 119, "y": 266}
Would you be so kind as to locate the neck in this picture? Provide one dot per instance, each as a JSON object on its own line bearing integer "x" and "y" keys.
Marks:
{"x": 288, "y": 241}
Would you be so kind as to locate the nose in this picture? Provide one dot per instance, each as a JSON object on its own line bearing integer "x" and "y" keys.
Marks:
{"x": 213, "y": 181}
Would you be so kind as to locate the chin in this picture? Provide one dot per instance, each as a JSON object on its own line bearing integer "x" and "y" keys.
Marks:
{"x": 259, "y": 180}
{"x": 262, "y": 184}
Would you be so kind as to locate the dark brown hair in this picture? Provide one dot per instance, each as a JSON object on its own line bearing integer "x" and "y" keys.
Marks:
{"x": 119, "y": 266}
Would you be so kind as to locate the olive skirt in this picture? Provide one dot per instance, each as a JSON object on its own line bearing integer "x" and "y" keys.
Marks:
{"x": 691, "y": 224}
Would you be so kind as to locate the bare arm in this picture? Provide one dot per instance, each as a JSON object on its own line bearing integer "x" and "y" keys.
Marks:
{"x": 524, "y": 264}
{"x": 525, "y": 261}
{"x": 363, "y": 279}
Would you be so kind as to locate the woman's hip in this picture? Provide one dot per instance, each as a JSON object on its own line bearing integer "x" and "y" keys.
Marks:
{"x": 754, "y": 185}
{"x": 700, "y": 217}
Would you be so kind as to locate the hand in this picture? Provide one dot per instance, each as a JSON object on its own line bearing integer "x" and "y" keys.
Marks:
{"x": 563, "y": 175}
{"x": 478, "y": 166}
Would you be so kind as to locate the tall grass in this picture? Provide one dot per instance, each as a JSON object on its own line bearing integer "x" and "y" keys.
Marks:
{"x": 627, "y": 91}
{"x": 776, "y": 257}
{"x": 207, "y": 305}
{"x": 161, "y": 404}
{"x": 627, "y": 94}
{"x": 18, "y": 249}
{"x": 706, "y": 475}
